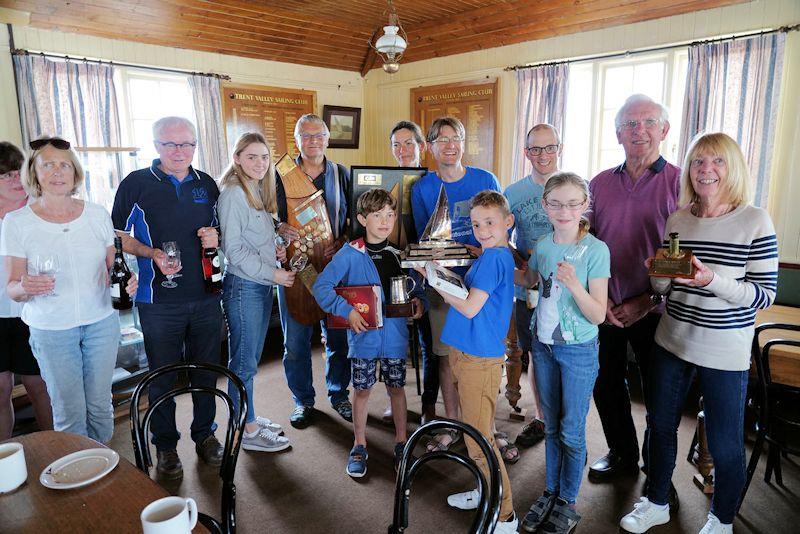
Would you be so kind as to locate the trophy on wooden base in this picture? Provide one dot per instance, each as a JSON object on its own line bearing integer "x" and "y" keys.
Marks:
{"x": 306, "y": 211}
{"x": 672, "y": 262}
{"x": 436, "y": 243}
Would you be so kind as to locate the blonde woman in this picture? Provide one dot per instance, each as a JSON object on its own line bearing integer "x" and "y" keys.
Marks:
{"x": 58, "y": 250}
{"x": 708, "y": 327}
{"x": 245, "y": 208}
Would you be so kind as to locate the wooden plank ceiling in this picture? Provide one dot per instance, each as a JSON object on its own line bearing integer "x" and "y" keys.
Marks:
{"x": 335, "y": 33}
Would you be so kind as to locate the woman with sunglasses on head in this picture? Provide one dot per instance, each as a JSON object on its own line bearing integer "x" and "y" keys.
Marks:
{"x": 15, "y": 352}
{"x": 58, "y": 250}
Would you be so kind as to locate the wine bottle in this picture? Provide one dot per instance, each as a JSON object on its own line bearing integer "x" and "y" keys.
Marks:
{"x": 212, "y": 274}
{"x": 120, "y": 274}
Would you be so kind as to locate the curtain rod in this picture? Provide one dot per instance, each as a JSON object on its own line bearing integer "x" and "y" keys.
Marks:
{"x": 22, "y": 52}
{"x": 782, "y": 29}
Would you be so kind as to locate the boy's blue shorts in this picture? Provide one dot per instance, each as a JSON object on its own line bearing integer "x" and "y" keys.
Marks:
{"x": 393, "y": 371}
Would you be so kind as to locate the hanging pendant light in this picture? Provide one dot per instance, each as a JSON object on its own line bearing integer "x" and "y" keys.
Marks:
{"x": 391, "y": 45}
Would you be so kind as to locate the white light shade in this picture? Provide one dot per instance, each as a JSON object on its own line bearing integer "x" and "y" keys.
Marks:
{"x": 390, "y": 43}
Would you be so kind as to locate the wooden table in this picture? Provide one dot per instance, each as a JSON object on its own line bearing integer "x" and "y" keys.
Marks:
{"x": 784, "y": 362}
{"x": 112, "y": 504}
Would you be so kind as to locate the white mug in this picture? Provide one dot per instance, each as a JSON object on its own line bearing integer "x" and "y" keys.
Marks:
{"x": 170, "y": 515}
{"x": 13, "y": 471}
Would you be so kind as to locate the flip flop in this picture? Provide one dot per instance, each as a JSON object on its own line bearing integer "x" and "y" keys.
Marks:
{"x": 509, "y": 452}
{"x": 436, "y": 444}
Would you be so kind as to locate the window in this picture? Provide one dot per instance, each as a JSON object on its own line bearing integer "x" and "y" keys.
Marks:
{"x": 596, "y": 92}
{"x": 148, "y": 96}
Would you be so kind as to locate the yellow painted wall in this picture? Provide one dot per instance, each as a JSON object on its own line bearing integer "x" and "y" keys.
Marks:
{"x": 387, "y": 100}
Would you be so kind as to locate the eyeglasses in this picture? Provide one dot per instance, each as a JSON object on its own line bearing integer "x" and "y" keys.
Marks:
{"x": 316, "y": 137}
{"x": 537, "y": 150}
{"x": 444, "y": 140}
{"x": 571, "y": 206}
{"x": 57, "y": 142}
{"x": 180, "y": 146}
{"x": 10, "y": 175}
{"x": 632, "y": 124}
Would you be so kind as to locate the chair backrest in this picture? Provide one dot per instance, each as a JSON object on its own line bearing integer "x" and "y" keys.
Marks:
{"x": 140, "y": 427}
{"x": 491, "y": 493}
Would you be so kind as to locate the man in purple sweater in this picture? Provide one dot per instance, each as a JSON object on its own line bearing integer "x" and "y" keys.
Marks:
{"x": 630, "y": 206}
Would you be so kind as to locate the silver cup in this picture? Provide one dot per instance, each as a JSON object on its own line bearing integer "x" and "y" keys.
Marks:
{"x": 399, "y": 291}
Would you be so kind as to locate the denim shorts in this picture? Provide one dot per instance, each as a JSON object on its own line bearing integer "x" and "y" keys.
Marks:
{"x": 393, "y": 371}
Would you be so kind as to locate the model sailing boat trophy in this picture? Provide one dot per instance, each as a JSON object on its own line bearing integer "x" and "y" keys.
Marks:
{"x": 436, "y": 243}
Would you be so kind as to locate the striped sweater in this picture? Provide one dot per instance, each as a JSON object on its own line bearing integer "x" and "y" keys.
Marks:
{"x": 713, "y": 326}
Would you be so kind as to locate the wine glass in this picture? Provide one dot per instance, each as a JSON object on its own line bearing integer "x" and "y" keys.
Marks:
{"x": 47, "y": 265}
{"x": 575, "y": 253}
{"x": 170, "y": 248}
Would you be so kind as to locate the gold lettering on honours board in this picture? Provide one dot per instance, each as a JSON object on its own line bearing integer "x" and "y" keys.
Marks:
{"x": 456, "y": 95}
{"x": 270, "y": 99}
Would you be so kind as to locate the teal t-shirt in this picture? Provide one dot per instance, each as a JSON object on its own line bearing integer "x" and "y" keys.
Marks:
{"x": 558, "y": 319}
{"x": 530, "y": 220}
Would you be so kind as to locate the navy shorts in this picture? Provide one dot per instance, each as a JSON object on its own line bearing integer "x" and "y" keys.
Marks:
{"x": 393, "y": 371}
{"x": 15, "y": 349}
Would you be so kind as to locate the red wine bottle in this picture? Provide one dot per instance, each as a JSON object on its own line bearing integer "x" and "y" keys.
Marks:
{"x": 212, "y": 274}
{"x": 120, "y": 274}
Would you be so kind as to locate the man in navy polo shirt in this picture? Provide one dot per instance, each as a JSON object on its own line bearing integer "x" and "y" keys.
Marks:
{"x": 171, "y": 201}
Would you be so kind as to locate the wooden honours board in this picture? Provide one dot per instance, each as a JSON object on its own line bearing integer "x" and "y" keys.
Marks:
{"x": 475, "y": 105}
{"x": 272, "y": 111}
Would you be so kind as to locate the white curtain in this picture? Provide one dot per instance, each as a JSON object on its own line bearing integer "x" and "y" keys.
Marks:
{"x": 733, "y": 87}
{"x": 541, "y": 97}
{"x": 210, "y": 124}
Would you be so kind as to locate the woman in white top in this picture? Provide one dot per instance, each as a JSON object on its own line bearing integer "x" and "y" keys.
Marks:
{"x": 245, "y": 209}
{"x": 58, "y": 251}
{"x": 15, "y": 350}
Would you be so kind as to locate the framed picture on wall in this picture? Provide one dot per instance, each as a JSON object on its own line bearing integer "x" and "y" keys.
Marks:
{"x": 344, "y": 124}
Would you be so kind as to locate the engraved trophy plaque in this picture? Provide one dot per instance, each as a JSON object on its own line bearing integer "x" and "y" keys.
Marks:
{"x": 672, "y": 262}
{"x": 436, "y": 242}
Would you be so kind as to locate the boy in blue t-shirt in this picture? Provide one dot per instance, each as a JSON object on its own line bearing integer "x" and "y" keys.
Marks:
{"x": 371, "y": 260}
{"x": 475, "y": 330}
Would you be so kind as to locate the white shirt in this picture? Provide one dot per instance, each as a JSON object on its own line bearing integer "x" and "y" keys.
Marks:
{"x": 82, "y": 293}
{"x": 8, "y": 307}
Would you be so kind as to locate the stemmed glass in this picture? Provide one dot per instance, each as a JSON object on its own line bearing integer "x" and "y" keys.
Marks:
{"x": 574, "y": 253}
{"x": 47, "y": 265}
{"x": 170, "y": 248}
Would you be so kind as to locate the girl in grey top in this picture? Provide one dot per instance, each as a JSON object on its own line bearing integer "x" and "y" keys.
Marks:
{"x": 245, "y": 209}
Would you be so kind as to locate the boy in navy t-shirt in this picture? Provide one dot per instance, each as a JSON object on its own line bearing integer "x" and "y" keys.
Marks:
{"x": 475, "y": 330}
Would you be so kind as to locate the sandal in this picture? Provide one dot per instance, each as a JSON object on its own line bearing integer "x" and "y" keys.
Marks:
{"x": 437, "y": 444}
{"x": 509, "y": 451}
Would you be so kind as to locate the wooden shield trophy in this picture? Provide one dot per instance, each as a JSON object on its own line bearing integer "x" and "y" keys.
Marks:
{"x": 308, "y": 213}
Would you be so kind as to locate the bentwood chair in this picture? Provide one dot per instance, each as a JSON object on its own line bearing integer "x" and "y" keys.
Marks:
{"x": 778, "y": 404}
{"x": 140, "y": 426}
{"x": 491, "y": 491}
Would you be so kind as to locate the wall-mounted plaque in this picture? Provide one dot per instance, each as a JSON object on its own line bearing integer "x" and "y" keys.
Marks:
{"x": 475, "y": 105}
{"x": 272, "y": 111}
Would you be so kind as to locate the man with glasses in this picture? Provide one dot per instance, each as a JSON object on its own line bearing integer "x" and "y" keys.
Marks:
{"x": 446, "y": 137}
{"x": 630, "y": 206}
{"x": 311, "y": 135}
{"x": 172, "y": 201}
{"x": 543, "y": 149}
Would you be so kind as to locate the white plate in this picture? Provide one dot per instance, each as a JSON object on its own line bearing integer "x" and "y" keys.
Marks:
{"x": 79, "y": 468}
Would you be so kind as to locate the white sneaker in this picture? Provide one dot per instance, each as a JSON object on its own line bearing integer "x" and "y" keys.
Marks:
{"x": 644, "y": 516}
{"x": 264, "y": 440}
{"x": 467, "y": 500}
{"x": 507, "y": 527}
{"x": 713, "y": 526}
{"x": 270, "y": 425}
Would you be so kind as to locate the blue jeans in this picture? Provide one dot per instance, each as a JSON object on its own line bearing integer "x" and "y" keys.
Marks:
{"x": 77, "y": 365}
{"x": 297, "y": 358}
{"x": 565, "y": 376}
{"x": 248, "y": 308}
{"x": 723, "y": 402}
{"x": 191, "y": 332}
